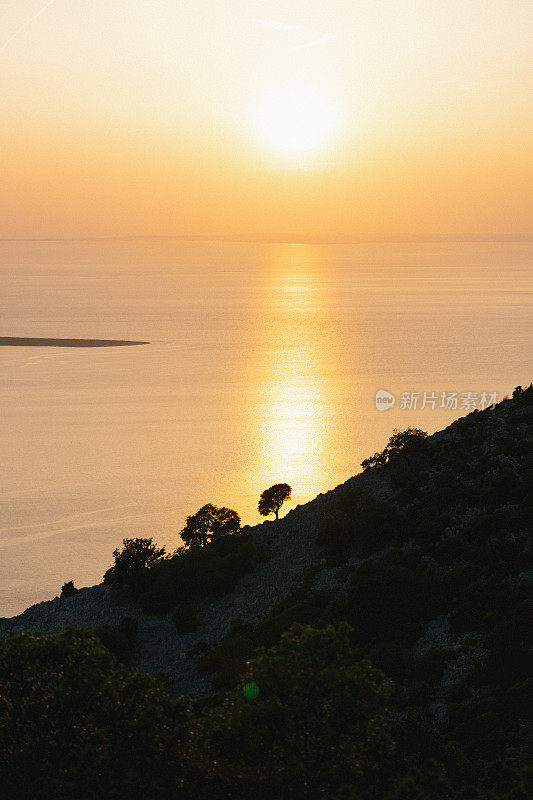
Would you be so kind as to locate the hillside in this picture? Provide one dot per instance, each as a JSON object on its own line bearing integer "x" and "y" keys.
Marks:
{"x": 427, "y": 557}
{"x": 289, "y": 548}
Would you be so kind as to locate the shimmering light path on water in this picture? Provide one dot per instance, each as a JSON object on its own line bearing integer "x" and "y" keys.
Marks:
{"x": 262, "y": 367}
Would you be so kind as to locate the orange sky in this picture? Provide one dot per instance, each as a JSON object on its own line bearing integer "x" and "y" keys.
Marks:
{"x": 139, "y": 118}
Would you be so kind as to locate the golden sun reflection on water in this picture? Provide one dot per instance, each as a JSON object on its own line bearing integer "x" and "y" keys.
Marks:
{"x": 294, "y": 406}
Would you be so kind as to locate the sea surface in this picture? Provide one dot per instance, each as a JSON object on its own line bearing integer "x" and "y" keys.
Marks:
{"x": 262, "y": 367}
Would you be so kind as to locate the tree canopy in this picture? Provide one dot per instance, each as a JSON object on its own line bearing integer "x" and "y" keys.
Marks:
{"x": 75, "y": 723}
{"x": 68, "y": 589}
{"x": 132, "y": 563}
{"x": 284, "y": 735}
{"x": 209, "y": 523}
{"x": 400, "y": 443}
{"x": 273, "y": 498}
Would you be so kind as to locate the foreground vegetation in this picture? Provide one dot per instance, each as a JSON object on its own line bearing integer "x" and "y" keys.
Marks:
{"x": 157, "y": 583}
{"x": 410, "y": 680}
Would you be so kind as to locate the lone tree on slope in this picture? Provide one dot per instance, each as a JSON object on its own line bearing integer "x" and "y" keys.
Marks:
{"x": 209, "y": 523}
{"x": 272, "y": 499}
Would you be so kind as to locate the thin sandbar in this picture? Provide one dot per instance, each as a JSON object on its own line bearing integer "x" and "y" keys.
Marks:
{"x": 18, "y": 341}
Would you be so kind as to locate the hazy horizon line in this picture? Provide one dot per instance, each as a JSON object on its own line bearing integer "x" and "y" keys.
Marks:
{"x": 294, "y": 238}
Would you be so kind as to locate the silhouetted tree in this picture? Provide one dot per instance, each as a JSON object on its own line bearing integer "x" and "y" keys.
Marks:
{"x": 272, "y": 499}
{"x": 377, "y": 460}
{"x": 209, "y": 523}
{"x": 133, "y": 562}
{"x": 403, "y": 443}
{"x": 68, "y": 589}
{"x": 523, "y": 396}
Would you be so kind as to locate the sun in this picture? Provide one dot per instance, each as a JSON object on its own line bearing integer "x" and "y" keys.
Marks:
{"x": 295, "y": 121}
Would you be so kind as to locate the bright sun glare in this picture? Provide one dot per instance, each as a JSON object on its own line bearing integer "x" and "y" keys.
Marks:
{"x": 295, "y": 121}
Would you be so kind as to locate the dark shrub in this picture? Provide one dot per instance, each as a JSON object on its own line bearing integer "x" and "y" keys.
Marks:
{"x": 426, "y": 523}
{"x": 394, "y": 657}
{"x": 198, "y": 649}
{"x": 429, "y": 666}
{"x": 269, "y": 632}
{"x": 398, "y": 591}
{"x": 228, "y": 659}
{"x": 357, "y": 522}
{"x": 501, "y": 487}
{"x": 523, "y": 397}
{"x": 484, "y": 525}
{"x": 132, "y": 564}
{"x": 121, "y": 640}
{"x": 185, "y": 618}
{"x": 68, "y": 589}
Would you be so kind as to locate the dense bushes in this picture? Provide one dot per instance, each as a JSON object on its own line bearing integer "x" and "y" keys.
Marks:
{"x": 501, "y": 486}
{"x": 306, "y": 721}
{"x": 200, "y": 572}
{"x": 121, "y": 640}
{"x": 227, "y": 661}
{"x": 392, "y": 593}
{"x": 358, "y": 523}
{"x": 316, "y": 724}
{"x": 304, "y": 607}
{"x": 73, "y": 723}
{"x": 158, "y": 584}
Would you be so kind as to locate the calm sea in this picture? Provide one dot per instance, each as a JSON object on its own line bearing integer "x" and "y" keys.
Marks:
{"x": 263, "y": 365}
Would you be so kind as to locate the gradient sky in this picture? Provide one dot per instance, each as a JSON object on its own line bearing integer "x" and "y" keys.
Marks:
{"x": 135, "y": 117}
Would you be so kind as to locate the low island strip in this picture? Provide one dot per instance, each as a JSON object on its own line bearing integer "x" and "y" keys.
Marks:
{"x": 19, "y": 341}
